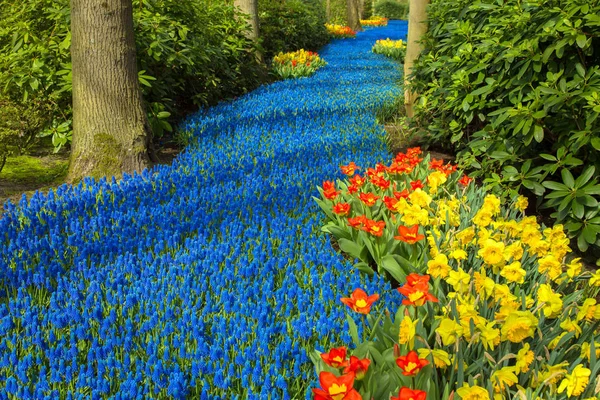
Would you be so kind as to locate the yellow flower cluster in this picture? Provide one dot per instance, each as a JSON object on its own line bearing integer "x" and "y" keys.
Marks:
{"x": 301, "y": 57}
{"x": 340, "y": 31}
{"x": 374, "y": 21}
{"x": 510, "y": 286}
{"x": 396, "y": 44}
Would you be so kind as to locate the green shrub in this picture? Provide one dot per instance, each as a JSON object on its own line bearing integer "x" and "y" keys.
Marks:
{"x": 391, "y": 9}
{"x": 190, "y": 54}
{"x": 513, "y": 88}
{"x": 367, "y": 9}
{"x": 291, "y": 25}
{"x": 19, "y": 125}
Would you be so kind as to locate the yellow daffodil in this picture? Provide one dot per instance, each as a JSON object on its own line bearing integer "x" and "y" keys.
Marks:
{"x": 522, "y": 203}
{"x": 441, "y": 359}
{"x": 449, "y": 330}
{"x": 518, "y": 326}
{"x": 492, "y": 252}
{"x": 513, "y": 272}
{"x": 504, "y": 377}
{"x": 438, "y": 267}
{"x": 420, "y": 198}
{"x": 552, "y": 303}
{"x": 489, "y": 336}
{"x": 571, "y": 326}
{"x": 575, "y": 382}
{"x": 524, "y": 359}
{"x": 549, "y": 265}
{"x": 408, "y": 329}
{"x": 467, "y": 392}
{"x": 586, "y": 350}
{"x": 459, "y": 280}
{"x": 513, "y": 251}
{"x": 595, "y": 279}
{"x": 588, "y": 311}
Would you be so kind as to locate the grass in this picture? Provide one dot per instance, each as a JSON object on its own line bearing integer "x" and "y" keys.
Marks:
{"x": 35, "y": 170}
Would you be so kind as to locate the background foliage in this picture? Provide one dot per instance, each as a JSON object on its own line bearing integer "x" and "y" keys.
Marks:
{"x": 392, "y": 9}
{"x": 190, "y": 54}
{"x": 512, "y": 86}
{"x": 291, "y": 25}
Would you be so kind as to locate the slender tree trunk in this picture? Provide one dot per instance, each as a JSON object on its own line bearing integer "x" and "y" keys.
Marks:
{"x": 417, "y": 28}
{"x": 328, "y": 10}
{"x": 250, "y": 8}
{"x": 110, "y": 126}
{"x": 352, "y": 14}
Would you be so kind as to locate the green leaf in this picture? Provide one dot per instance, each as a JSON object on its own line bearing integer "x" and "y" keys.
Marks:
{"x": 585, "y": 176}
{"x": 555, "y": 186}
{"x": 350, "y": 247}
{"x": 364, "y": 268}
{"x": 581, "y": 40}
{"x": 538, "y": 133}
{"x": 390, "y": 265}
{"x": 353, "y": 330}
{"x": 567, "y": 177}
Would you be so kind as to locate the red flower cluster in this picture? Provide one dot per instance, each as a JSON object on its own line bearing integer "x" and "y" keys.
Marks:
{"x": 439, "y": 165}
{"x": 465, "y": 180}
{"x": 416, "y": 290}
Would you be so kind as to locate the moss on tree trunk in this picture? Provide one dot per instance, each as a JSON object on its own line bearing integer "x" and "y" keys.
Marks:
{"x": 110, "y": 127}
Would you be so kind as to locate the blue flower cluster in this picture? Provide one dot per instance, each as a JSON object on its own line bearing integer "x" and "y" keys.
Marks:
{"x": 206, "y": 279}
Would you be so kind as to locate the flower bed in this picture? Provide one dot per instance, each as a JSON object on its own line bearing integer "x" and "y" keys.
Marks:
{"x": 493, "y": 305}
{"x": 340, "y": 31}
{"x": 204, "y": 279}
{"x": 374, "y": 21}
{"x": 395, "y": 49}
{"x": 297, "y": 64}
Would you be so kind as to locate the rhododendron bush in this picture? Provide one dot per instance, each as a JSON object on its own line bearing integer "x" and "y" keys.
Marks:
{"x": 494, "y": 306}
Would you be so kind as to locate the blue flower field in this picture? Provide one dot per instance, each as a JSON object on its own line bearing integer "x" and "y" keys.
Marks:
{"x": 207, "y": 279}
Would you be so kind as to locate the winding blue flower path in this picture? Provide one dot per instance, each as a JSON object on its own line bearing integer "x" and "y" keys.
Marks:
{"x": 206, "y": 279}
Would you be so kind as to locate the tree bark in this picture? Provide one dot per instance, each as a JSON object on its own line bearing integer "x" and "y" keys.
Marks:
{"x": 110, "y": 126}
{"x": 328, "y": 10}
{"x": 249, "y": 7}
{"x": 352, "y": 14}
{"x": 417, "y": 28}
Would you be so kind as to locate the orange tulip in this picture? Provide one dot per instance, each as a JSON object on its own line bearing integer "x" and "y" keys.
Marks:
{"x": 329, "y": 190}
{"x": 349, "y": 169}
{"x": 375, "y": 228}
{"x": 368, "y": 199}
{"x": 358, "y": 366}
{"x": 336, "y": 357}
{"x": 409, "y": 394}
{"x": 411, "y": 364}
{"x": 359, "y": 301}
{"x": 336, "y": 388}
{"x": 465, "y": 180}
{"x": 409, "y": 235}
{"x": 341, "y": 208}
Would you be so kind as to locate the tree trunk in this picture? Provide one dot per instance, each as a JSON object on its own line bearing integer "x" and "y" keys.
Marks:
{"x": 352, "y": 14}
{"x": 361, "y": 9}
{"x": 328, "y": 10}
{"x": 110, "y": 126}
{"x": 417, "y": 28}
{"x": 250, "y": 8}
